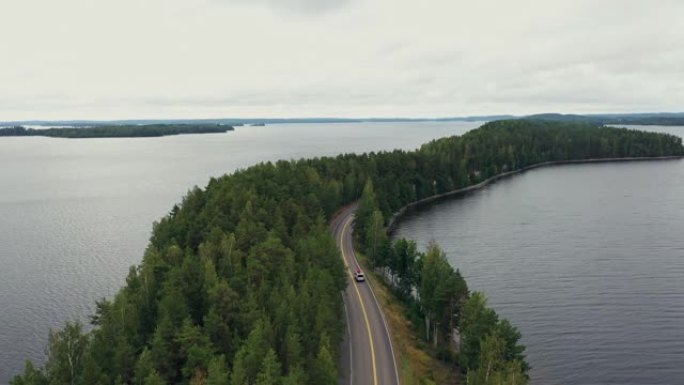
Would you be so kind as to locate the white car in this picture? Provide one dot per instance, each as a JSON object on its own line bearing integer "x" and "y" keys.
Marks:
{"x": 358, "y": 276}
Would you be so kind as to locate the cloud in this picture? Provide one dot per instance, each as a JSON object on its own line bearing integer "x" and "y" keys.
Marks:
{"x": 213, "y": 58}
{"x": 296, "y": 6}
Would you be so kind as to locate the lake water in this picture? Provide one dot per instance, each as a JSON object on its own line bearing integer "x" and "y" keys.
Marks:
{"x": 76, "y": 213}
{"x": 586, "y": 260}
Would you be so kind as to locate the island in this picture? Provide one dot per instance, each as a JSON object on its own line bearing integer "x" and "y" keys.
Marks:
{"x": 118, "y": 131}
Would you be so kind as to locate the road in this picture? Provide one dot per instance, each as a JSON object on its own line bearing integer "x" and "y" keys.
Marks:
{"x": 367, "y": 353}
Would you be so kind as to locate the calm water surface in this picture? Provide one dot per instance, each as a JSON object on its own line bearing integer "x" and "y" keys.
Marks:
{"x": 76, "y": 213}
{"x": 586, "y": 260}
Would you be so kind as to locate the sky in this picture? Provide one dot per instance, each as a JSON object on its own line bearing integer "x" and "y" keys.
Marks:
{"x": 131, "y": 59}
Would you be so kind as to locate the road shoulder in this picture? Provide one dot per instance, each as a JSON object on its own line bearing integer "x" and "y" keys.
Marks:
{"x": 415, "y": 365}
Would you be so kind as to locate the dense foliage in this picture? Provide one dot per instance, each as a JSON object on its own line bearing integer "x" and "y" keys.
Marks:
{"x": 458, "y": 323}
{"x": 645, "y": 119}
{"x": 123, "y": 131}
{"x": 453, "y": 318}
{"x": 241, "y": 283}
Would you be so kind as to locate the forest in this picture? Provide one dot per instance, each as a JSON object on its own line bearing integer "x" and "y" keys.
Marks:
{"x": 117, "y": 131}
{"x": 644, "y": 119}
{"x": 241, "y": 282}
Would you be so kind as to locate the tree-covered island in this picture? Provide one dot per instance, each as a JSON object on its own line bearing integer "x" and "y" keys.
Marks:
{"x": 241, "y": 282}
{"x": 118, "y": 131}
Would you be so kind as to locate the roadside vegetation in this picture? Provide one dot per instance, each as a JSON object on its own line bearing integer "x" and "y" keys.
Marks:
{"x": 417, "y": 361}
{"x": 455, "y": 325}
{"x": 241, "y": 282}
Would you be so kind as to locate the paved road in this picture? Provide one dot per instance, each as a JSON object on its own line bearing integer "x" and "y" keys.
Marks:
{"x": 367, "y": 354}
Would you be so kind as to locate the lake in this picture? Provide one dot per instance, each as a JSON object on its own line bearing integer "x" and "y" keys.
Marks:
{"x": 587, "y": 260}
{"x": 76, "y": 213}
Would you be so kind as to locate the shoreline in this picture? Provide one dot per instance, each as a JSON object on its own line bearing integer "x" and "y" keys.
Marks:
{"x": 397, "y": 216}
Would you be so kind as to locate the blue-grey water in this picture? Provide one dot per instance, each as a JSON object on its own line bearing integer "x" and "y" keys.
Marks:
{"x": 586, "y": 260}
{"x": 76, "y": 213}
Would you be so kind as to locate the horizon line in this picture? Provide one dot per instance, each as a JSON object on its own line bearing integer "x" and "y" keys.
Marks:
{"x": 344, "y": 119}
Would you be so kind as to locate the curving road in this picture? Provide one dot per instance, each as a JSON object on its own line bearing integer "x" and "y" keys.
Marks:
{"x": 367, "y": 353}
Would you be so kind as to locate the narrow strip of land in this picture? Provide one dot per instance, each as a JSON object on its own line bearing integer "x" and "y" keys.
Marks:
{"x": 402, "y": 211}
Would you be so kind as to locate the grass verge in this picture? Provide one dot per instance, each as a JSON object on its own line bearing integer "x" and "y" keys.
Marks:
{"x": 416, "y": 362}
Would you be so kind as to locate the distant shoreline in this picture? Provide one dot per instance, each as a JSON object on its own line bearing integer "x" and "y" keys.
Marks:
{"x": 399, "y": 215}
{"x": 114, "y": 131}
{"x": 645, "y": 119}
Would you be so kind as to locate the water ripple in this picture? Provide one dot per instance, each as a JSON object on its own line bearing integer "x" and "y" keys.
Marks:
{"x": 587, "y": 260}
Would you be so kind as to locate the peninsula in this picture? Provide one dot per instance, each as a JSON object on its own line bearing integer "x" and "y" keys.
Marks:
{"x": 249, "y": 280}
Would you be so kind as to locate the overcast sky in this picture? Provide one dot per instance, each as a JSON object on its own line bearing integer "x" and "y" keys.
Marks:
{"x": 96, "y": 59}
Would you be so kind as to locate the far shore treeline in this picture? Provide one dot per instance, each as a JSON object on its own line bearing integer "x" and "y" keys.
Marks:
{"x": 241, "y": 283}
{"x": 117, "y": 131}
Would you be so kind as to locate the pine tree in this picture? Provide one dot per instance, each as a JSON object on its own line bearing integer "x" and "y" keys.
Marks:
{"x": 31, "y": 376}
{"x": 269, "y": 374}
{"x": 154, "y": 379}
{"x": 325, "y": 370}
{"x": 364, "y": 212}
{"x": 376, "y": 239}
{"x": 218, "y": 373}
